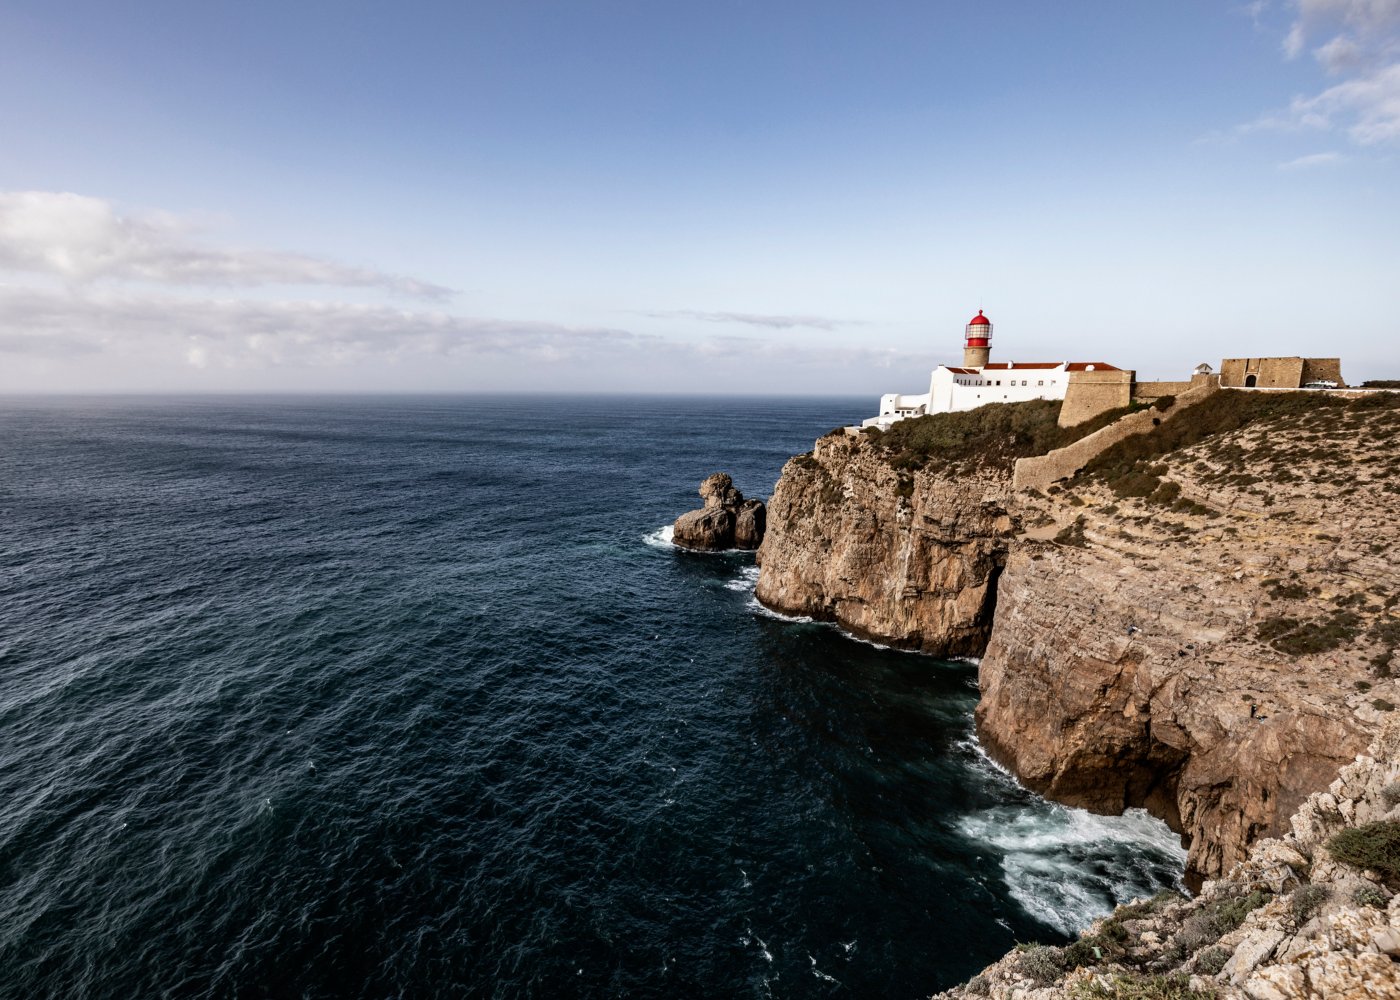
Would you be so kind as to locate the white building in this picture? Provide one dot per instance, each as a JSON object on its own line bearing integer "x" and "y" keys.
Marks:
{"x": 978, "y": 382}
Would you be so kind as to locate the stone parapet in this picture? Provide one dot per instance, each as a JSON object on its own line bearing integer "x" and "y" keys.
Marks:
{"x": 1039, "y": 472}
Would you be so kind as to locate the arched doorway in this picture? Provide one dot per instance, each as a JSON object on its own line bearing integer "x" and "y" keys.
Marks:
{"x": 1249, "y": 381}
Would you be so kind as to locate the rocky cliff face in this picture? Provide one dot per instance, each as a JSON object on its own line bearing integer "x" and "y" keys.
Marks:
{"x": 1313, "y": 915}
{"x": 1214, "y": 644}
{"x": 910, "y": 558}
{"x": 1203, "y": 623}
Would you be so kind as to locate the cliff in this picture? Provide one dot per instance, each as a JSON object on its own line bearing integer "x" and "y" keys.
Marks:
{"x": 908, "y": 558}
{"x": 1314, "y": 914}
{"x": 1201, "y": 621}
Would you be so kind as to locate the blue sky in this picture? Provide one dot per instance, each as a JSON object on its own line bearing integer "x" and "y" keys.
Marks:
{"x": 723, "y": 197}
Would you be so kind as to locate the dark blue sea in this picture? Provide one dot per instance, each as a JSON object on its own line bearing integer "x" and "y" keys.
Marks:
{"x": 410, "y": 697}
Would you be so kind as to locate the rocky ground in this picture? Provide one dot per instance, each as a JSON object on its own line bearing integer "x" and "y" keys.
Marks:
{"x": 1204, "y": 625}
{"x": 1313, "y": 915}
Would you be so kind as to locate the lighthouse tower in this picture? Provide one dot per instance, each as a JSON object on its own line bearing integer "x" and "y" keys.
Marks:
{"x": 977, "y": 345}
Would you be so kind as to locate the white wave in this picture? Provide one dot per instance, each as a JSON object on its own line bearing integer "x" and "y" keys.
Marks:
{"x": 1067, "y": 867}
{"x": 754, "y": 939}
{"x": 822, "y": 975}
{"x": 661, "y": 537}
{"x": 746, "y": 580}
{"x": 758, "y": 608}
{"x": 983, "y": 762}
{"x": 665, "y": 538}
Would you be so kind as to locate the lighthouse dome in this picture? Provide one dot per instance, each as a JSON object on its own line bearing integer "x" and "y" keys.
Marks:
{"x": 979, "y": 320}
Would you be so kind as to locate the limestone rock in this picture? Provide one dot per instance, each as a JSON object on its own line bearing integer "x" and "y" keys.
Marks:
{"x": 750, "y": 524}
{"x": 909, "y": 558}
{"x": 711, "y": 528}
{"x": 727, "y": 520}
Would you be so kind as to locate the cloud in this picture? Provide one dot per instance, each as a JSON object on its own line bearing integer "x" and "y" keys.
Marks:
{"x": 772, "y": 322}
{"x": 232, "y": 333}
{"x": 83, "y": 239}
{"x": 1312, "y": 160}
{"x": 1359, "y": 42}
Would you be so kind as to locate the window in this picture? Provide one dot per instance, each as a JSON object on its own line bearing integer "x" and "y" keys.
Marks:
{"x": 1024, "y": 382}
{"x": 1041, "y": 382}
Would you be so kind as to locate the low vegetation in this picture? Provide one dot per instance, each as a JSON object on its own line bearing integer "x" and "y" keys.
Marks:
{"x": 1375, "y": 846}
{"x": 1134, "y": 467}
{"x": 994, "y": 435}
{"x": 1129, "y": 986}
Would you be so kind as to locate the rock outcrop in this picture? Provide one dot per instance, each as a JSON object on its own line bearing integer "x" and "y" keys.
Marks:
{"x": 910, "y": 558}
{"x": 1302, "y": 917}
{"x": 1212, "y": 645}
{"x": 727, "y": 521}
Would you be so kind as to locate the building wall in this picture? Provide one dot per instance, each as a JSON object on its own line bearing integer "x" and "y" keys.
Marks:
{"x": 1269, "y": 373}
{"x": 946, "y": 394}
{"x": 1148, "y": 391}
{"x": 1091, "y": 393}
{"x": 1323, "y": 369}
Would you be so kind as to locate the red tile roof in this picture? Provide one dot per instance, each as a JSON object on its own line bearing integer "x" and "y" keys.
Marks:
{"x": 1098, "y": 366}
{"x": 1003, "y": 366}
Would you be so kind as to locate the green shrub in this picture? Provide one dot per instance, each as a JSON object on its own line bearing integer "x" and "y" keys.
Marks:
{"x": 1390, "y": 794}
{"x": 1148, "y": 907}
{"x": 1131, "y": 986}
{"x": 1211, "y": 961}
{"x": 1375, "y": 846}
{"x": 1073, "y": 534}
{"x": 1381, "y": 705}
{"x": 1166, "y": 493}
{"x": 1302, "y": 638}
{"x": 1040, "y": 963}
{"x": 1307, "y": 900}
{"x": 1369, "y": 895}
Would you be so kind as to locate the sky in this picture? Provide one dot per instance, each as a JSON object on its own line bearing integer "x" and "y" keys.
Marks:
{"x": 733, "y": 196}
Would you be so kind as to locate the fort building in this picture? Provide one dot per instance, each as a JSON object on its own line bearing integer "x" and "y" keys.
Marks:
{"x": 1280, "y": 373}
{"x": 1088, "y": 388}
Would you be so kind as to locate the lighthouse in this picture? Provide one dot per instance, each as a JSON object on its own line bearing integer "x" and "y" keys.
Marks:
{"x": 979, "y": 381}
{"x": 977, "y": 342}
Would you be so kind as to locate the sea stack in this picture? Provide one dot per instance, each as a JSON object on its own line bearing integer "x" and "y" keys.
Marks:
{"x": 727, "y": 521}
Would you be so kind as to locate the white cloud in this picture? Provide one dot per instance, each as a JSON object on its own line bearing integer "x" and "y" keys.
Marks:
{"x": 84, "y": 239}
{"x": 245, "y": 334}
{"x": 772, "y": 322}
{"x": 104, "y": 324}
{"x": 1312, "y": 160}
{"x": 1362, "y": 46}
{"x": 1367, "y": 108}
{"x": 118, "y": 340}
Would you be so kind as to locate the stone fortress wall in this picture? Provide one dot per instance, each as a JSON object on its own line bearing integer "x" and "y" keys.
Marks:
{"x": 1090, "y": 393}
{"x": 1040, "y": 472}
{"x": 1278, "y": 373}
{"x": 1146, "y": 392}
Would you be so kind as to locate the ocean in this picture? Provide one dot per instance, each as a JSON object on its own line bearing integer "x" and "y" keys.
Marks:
{"x": 411, "y": 697}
